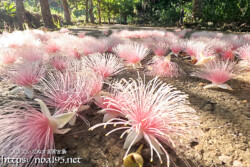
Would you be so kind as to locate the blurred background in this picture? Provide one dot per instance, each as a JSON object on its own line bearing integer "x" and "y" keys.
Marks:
{"x": 199, "y": 14}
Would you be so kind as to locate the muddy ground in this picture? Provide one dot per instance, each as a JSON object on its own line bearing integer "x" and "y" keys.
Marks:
{"x": 224, "y": 122}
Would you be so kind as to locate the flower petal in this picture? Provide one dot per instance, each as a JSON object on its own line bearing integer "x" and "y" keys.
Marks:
{"x": 63, "y": 119}
{"x": 29, "y": 92}
{"x": 131, "y": 136}
{"x": 16, "y": 90}
{"x": 44, "y": 108}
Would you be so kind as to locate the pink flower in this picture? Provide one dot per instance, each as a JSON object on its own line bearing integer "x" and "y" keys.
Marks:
{"x": 70, "y": 91}
{"x": 219, "y": 45}
{"x": 176, "y": 49}
{"x": 96, "y": 85}
{"x": 81, "y": 34}
{"x": 161, "y": 49}
{"x": 66, "y": 45}
{"x": 7, "y": 56}
{"x": 156, "y": 33}
{"x": 106, "y": 32}
{"x": 106, "y": 65}
{"x": 113, "y": 41}
{"x": 207, "y": 34}
{"x": 94, "y": 81}
{"x": 18, "y": 39}
{"x": 244, "y": 52}
{"x": 193, "y": 48}
{"x": 110, "y": 111}
{"x": 148, "y": 42}
{"x": 235, "y": 41}
{"x": 64, "y": 30}
{"x": 154, "y": 111}
{"x": 38, "y": 34}
{"x": 176, "y": 45}
{"x": 181, "y": 33}
{"x": 25, "y": 130}
{"x": 133, "y": 53}
{"x": 102, "y": 45}
{"x": 170, "y": 35}
{"x": 52, "y": 48}
{"x": 31, "y": 53}
{"x": 74, "y": 53}
{"x": 227, "y": 54}
{"x": 140, "y": 33}
{"x": 218, "y": 72}
{"x": 67, "y": 92}
{"x": 163, "y": 67}
{"x": 26, "y": 74}
{"x": 60, "y": 62}
{"x": 199, "y": 51}
{"x": 89, "y": 45}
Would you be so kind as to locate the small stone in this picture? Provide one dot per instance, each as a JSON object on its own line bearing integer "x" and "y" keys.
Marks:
{"x": 244, "y": 101}
{"x": 201, "y": 84}
{"x": 234, "y": 108}
{"x": 213, "y": 102}
{"x": 202, "y": 151}
{"x": 97, "y": 136}
{"x": 194, "y": 142}
{"x": 206, "y": 129}
{"x": 208, "y": 107}
{"x": 218, "y": 109}
{"x": 237, "y": 163}
{"x": 247, "y": 114}
{"x": 225, "y": 159}
{"x": 116, "y": 161}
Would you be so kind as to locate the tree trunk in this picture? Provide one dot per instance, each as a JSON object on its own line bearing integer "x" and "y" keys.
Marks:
{"x": 108, "y": 13}
{"x": 66, "y": 12}
{"x": 87, "y": 10}
{"x": 125, "y": 18}
{"x": 46, "y": 14}
{"x": 99, "y": 10}
{"x": 20, "y": 14}
{"x": 91, "y": 7}
{"x": 197, "y": 9}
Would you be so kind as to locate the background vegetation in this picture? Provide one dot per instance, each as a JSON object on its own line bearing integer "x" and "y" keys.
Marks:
{"x": 229, "y": 14}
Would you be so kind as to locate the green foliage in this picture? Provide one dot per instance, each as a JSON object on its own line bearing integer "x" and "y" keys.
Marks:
{"x": 188, "y": 10}
{"x": 32, "y": 5}
{"x": 152, "y": 12}
{"x": 170, "y": 15}
{"x": 56, "y": 11}
{"x": 26, "y": 26}
{"x": 8, "y": 7}
{"x": 57, "y": 23}
{"x": 226, "y": 10}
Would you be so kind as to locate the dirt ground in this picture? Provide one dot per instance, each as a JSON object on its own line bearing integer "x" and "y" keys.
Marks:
{"x": 224, "y": 122}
